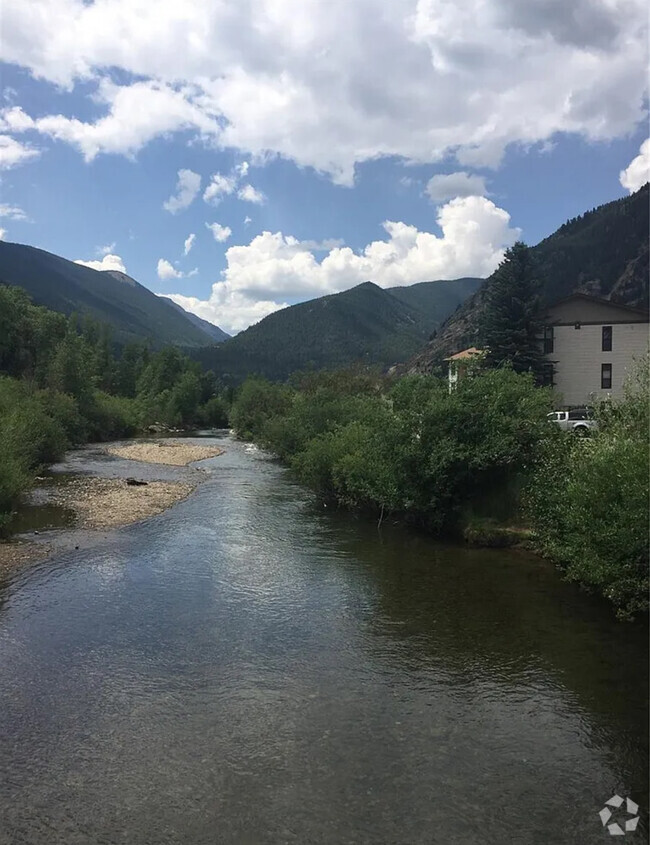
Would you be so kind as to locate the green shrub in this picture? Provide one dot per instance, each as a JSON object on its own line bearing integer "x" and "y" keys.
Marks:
{"x": 589, "y": 500}
{"x": 111, "y": 417}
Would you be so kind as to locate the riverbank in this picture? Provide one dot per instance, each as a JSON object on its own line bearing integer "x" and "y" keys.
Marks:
{"x": 171, "y": 453}
{"x": 112, "y": 500}
{"x": 16, "y": 553}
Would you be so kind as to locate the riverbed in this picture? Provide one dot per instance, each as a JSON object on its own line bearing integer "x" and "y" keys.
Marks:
{"x": 251, "y": 667}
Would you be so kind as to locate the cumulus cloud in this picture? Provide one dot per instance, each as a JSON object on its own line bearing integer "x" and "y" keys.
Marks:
{"x": 219, "y": 186}
{"x": 274, "y": 268}
{"x": 332, "y": 83}
{"x": 446, "y": 186}
{"x": 220, "y": 233}
{"x": 108, "y": 262}
{"x": 13, "y": 212}
{"x": 136, "y": 114}
{"x": 189, "y": 243}
{"x": 637, "y": 173}
{"x": 12, "y": 152}
{"x": 3, "y": 234}
{"x": 166, "y": 270}
{"x": 250, "y": 194}
{"x": 187, "y": 187}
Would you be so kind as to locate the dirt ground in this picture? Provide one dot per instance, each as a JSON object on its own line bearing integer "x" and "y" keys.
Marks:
{"x": 170, "y": 452}
{"x": 111, "y": 502}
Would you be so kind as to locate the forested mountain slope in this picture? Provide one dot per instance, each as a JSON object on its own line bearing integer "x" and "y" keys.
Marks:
{"x": 603, "y": 252}
{"x": 133, "y": 311}
{"x": 364, "y": 324}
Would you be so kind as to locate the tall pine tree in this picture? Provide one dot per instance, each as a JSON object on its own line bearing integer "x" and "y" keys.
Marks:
{"x": 512, "y": 324}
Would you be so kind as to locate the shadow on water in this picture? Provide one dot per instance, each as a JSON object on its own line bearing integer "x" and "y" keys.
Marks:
{"x": 28, "y": 518}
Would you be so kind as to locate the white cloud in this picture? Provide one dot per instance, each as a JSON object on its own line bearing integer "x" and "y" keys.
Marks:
{"x": 273, "y": 268}
{"x": 189, "y": 243}
{"x": 250, "y": 194}
{"x": 106, "y": 249}
{"x": 136, "y": 115}
{"x": 247, "y": 220}
{"x": 637, "y": 173}
{"x": 108, "y": 262}
{"x": 331, "y": 83}
{"x": 3, "y": 234}
{"x": 446, "y": 186}
{"x": 242, "y": 169}
{"x": 228, "y": 309}
{"x": 166, "y": 270}
{"x": 187, "y": 187}
{"x": 13, "y": 212}
{"x": 12, "y": 152}
{"x": 193, "y": 272}
{"x": 221, "y": 233}
{"x": 219, "y": 187}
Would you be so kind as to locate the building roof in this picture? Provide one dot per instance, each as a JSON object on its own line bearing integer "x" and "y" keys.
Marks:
{"x": 472, "y": 352}
{"x": 636, "y": 315}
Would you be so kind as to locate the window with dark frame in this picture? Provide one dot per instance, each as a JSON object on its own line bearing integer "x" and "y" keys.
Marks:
{"x": 548, "y": 340}
{"x": 607, "y": 338}
{"x": 606, "y": 376}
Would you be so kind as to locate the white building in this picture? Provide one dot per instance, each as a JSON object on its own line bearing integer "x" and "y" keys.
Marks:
{"x": 593, "y": 345}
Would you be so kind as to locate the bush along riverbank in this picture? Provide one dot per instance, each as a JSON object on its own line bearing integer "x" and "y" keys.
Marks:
{"x": 64, "y": 383}
{"x": 467, "y": 461}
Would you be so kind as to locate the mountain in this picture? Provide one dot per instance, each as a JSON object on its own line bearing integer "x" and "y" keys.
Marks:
{"x": 366, "y": 323}
{"x": 603, "y": 252}
{"x": 112, "y": 297}
{"x": 214, "y": 332}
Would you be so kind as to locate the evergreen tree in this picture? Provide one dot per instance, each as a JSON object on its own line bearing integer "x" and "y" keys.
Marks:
{"x": 512, "y": 323}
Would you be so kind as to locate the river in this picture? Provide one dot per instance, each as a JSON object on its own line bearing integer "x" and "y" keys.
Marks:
{"x": 250, "y": 667}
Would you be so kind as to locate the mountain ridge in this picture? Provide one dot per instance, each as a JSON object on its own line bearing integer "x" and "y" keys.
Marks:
{"x": 132, "y": 310}
{"x": 365, "y": 323}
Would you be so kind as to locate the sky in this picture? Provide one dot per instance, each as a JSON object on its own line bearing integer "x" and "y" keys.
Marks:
{"x": 242, "y": 155}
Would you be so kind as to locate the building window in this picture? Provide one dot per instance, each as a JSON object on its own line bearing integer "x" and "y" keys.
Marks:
{"x": 606, "y": 376}
{"x": 607, "y": 338}
{"x": 547, "y": 375}
{"x": 548, "y": 340}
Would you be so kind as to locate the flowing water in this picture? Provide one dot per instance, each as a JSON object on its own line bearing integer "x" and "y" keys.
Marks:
{"x": 250, "y": 667}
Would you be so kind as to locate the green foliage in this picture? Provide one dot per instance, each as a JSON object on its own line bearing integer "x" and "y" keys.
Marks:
{"x": 589, "y": 503}
{"x": 61, "y": 384}
{"x": 258, "y": 401}
{"x": 111, "y": 417}
{"x": 413, "y": 450}
{"x": 511, "y": 323}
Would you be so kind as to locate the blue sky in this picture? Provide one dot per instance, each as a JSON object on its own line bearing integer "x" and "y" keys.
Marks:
{"x": 308, "y": 147}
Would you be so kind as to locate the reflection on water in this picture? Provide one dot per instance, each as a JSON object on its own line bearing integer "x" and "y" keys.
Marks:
{"x": 250, "y": 668}
{"x": 40, "y": 517}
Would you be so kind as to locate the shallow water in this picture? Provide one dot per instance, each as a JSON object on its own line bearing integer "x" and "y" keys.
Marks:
{"x": 249, "y": 667}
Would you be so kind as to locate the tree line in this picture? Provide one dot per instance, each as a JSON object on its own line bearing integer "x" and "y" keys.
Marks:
{"x": 63, "y": 382}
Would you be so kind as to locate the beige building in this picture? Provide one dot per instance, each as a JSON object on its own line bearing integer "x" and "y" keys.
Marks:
{"x": 593, "y": 344}
{"x": 461, "y": 363}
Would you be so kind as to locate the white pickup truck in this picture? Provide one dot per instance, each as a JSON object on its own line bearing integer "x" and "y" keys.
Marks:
{"x": 578, "y": 420}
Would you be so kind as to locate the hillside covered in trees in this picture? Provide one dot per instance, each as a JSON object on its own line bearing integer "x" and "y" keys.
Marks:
{"x": 603, "y": 252}
{"x": 132, "y": 310}
{"x": 366, "y": 324}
